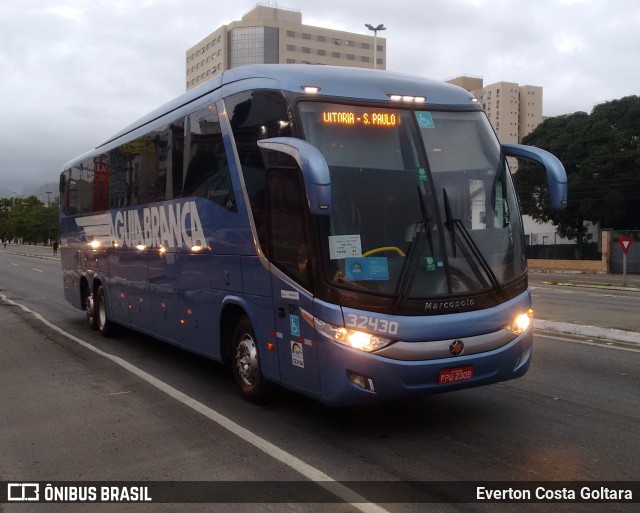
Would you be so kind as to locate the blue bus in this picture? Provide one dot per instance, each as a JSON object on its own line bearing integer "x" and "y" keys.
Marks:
{"x": 349, "y": 234}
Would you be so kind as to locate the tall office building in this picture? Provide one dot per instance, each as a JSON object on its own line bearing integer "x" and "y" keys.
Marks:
{"x": 514, "y": 110}
{"x": 269, "y": 35}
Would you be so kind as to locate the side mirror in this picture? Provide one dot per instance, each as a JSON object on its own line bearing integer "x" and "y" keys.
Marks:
{"x": 556, "y": 174}
{"x": 315, "y": 171}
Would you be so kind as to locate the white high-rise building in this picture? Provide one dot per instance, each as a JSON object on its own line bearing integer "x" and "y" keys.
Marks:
{"x": 269, "y": 35}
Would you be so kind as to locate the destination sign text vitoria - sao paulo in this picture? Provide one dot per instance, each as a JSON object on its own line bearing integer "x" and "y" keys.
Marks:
{"x": 366, "y": 118}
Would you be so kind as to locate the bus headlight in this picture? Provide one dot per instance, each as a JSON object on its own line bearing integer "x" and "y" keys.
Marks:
{"x": 521, "y": 323}
{"x": 351, "y": 338}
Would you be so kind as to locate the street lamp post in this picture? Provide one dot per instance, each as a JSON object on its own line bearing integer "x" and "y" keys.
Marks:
{"x": 48, "y": 193}
{"x": 375, "y": 44}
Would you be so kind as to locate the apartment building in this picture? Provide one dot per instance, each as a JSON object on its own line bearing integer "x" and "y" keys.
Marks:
{"x": 514, "y": 110}
{"x": 270, "y": 35}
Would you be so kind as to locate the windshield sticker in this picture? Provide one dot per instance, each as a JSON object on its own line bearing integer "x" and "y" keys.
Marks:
{"x": 364, "y": 269}
{"x": 425, "y": 120}
{"x": 422, "y": 174}
{"x": 297, "y": 354}
{"x": 344, "y": 246}
{"x": 429, "y": 263}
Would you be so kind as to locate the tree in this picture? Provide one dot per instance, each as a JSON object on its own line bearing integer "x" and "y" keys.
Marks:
{"x": 601, "y": 154}
{"x": 28, "y": 219}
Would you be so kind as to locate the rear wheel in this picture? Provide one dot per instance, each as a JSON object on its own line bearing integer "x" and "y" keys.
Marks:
{"x": 246, "y": 363}
{"x": 104, "y": 325}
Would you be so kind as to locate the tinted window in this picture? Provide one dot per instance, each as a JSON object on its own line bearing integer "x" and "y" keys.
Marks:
{"x": 145, "y": 170}
{"x": 77, "y": 196}
{"x": 257, "y": 115}
{"x": 288, "y": 247}
{"x": 175, "y": 175}
{"x": 208, "y": 172}
{"x": 147, "y": 159}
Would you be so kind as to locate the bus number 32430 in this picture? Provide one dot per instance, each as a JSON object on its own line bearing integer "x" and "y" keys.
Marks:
{"x": 365, "y": 322}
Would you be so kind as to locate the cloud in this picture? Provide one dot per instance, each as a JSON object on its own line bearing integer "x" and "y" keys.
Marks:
{"x": 76, "y": 72}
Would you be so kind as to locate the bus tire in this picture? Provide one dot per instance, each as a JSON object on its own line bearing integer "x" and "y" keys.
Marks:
{"x": 245, "y": 362}
{"x": 103, "y": 324}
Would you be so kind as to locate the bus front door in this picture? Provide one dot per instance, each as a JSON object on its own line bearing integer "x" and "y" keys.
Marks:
{"x": 289, "y": 255}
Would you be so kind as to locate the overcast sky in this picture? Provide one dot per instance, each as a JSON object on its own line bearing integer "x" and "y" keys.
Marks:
{"x": 75, "y": 72}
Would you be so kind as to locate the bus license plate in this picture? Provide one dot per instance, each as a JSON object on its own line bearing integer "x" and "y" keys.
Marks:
{"x": 457, "y": 375}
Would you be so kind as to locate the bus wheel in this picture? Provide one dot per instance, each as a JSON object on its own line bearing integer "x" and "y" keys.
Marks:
{"x": 104, "y": 325}
{"x": 246, "y": 363}
{"x": 90, "y": 311}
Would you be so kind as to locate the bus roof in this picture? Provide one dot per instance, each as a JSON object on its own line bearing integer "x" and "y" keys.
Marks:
{"x": 361, "y": 83}
{"x": 338, "y": 81}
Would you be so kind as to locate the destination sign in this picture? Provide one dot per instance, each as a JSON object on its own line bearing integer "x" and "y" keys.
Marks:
{"x": 370, "y": 118}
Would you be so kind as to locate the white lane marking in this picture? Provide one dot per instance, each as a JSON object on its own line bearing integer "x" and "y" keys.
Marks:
{"x": 310, "y": 472}
{"x": 38, "y": 270}
{"x": 17, "y": 265}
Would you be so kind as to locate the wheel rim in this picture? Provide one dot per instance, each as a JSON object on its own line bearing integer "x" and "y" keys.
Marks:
{"x": 89, "y": 309}
{"x": 246, "y": 359}
{"x": 102, "y": 313}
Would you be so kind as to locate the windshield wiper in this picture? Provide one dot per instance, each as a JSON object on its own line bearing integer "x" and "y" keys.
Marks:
{"x": 451, "y": 224}
{"x": 421, "y": 235}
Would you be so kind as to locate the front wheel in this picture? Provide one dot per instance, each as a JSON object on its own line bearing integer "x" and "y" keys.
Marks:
{"x": 246, "y": 363}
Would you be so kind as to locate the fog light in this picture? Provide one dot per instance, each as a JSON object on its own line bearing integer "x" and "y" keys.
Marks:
{"x": 362, "y": 381}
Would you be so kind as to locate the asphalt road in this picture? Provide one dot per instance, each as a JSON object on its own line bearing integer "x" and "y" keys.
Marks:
{"x": 600, "y": 304}
{"x": 142, "y": 410}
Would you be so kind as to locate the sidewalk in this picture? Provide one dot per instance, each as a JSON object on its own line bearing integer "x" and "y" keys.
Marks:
{"x": 581, "y": 279}
{"x": 39, "y": 251}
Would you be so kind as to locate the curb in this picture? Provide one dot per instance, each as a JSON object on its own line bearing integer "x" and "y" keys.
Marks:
{"x": 32, "y": 255}
{"x": 590, "y": 285}
{"x": 613, "y": 334}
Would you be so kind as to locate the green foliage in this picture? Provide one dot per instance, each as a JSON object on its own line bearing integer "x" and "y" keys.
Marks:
{"x": 28, "y": 219}
{"x": 601, "y": 154}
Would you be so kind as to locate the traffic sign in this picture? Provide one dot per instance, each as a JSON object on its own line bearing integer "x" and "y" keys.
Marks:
{"x": 625, "y": 243}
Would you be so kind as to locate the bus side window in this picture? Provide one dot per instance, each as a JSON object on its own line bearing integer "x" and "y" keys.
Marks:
{"x": 176, "y": 162}
{"x": 81, "y": 182}
{"x": 207, "y": 173}
{"x": 138, "y": 169}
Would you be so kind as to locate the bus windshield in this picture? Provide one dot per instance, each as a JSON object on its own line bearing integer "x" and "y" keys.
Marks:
{"x": 422, "y": 201}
